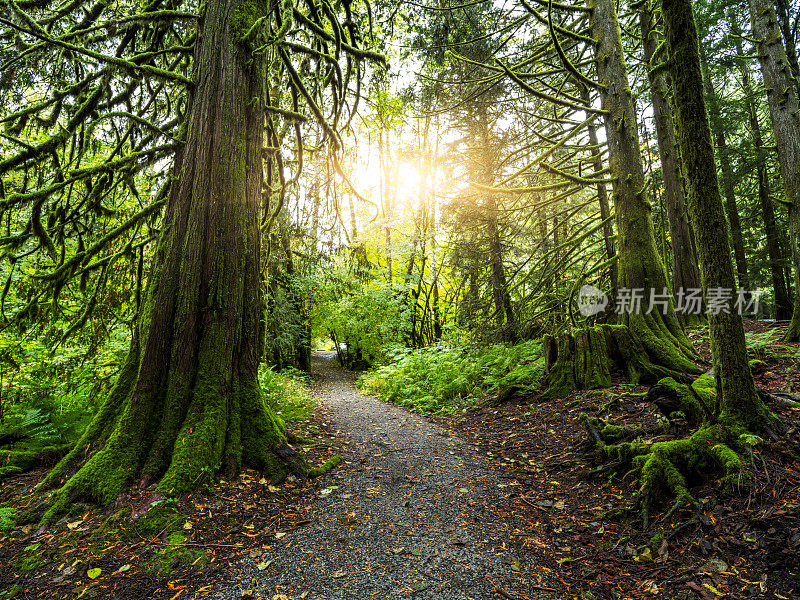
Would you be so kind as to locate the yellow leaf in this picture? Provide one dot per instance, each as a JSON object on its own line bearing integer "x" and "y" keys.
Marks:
{"x": 187, "y": 525}
{"x": 279, "y": 535}
{"x": 645, "y": 556}
{"x": 75, "y": 524}
{"x": 93, "y": 573}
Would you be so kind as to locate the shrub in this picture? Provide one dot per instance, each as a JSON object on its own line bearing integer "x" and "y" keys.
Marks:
{"x": 441, "y": 380}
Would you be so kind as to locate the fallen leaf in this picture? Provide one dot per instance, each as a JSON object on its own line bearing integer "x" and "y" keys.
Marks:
{"x": 93, "y": 573}
{"x": 338, "y": 574}
{"x": 187, "y": 525}
{"x": 279, "y": 535}
{"x": 264, "y": 564}
{"x": 74, "y": 525}
{"x": 124, "y": 568}
{"x": 517, "y": 566}
{"x": 645, "y": 556}
{"x": 273, "y": 489}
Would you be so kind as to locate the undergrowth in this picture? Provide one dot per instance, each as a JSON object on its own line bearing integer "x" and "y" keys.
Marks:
{"x": 287, "y": 393}
{"x": 441, "y": 380}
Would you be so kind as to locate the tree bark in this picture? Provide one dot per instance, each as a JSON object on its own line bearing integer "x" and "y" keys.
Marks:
{"x": 789, "y": 39}
{"x": 784, "y": 110}
{"x": 686, "y": 274}
{"x": 639, "y": 265}
{"x": 740, "y": 405}
{"x": 724, "y": 155}
{"x": 187, "y": 399}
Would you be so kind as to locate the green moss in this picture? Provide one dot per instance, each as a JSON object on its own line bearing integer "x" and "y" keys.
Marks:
{"x": 7, "y": 521}
{"x": 173, "y": 555}
{"x": 29, "y": 559}
{"x": 163, "y": 518}
{"x": 329, "y": 464}
{"x": 655, "y": 543}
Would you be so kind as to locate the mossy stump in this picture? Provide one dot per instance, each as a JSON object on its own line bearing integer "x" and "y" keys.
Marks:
{"x": 586, "y": 358}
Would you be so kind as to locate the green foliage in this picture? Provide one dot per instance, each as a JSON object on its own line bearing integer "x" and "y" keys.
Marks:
{"x": 7, "y": 521}
{"x": 372, "y": 320}
{"x": 444, "y": 380}
{"x": 287, "y": 393}
{"x": 759, "y": 343}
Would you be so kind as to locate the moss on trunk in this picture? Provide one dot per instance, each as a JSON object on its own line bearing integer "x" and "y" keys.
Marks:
{"x": 585, "y": 359}
{"x": 187, "y": 402}
{"x": 784, "y": 110}
{"x": 639, "y": 265}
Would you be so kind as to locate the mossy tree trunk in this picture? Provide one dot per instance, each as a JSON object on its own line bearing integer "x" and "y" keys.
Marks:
{"x": 686, "y": 274}
{"x": 639, "y": 265}
{"x": 784, "y": 110}
{"x": 783, "y": 303}
{"x": 739, "y": 404}
{"x": 187, "y": 401}
{"x": 728, "y": 184}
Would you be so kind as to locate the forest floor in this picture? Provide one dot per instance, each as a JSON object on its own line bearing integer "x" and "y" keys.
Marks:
{"x": 499, "y": 502}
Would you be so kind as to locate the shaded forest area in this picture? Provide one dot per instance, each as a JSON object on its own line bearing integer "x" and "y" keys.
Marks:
{"x": 569, "y": 231}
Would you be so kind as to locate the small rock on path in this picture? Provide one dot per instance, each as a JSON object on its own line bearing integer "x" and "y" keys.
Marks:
{"x": 410, "y": 513}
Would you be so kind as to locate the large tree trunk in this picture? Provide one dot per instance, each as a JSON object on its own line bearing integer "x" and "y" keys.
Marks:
{"x": 187, "y": 399}
{"x": 739, "y": 403}
{"x": 731, "y": 209}
{"x": 783, "y": 303}
{"x": 789, "y": 38}
{"x": 686, "y": 274}
{"x": 784, "y": 110}
{"x": 639, "y": 265}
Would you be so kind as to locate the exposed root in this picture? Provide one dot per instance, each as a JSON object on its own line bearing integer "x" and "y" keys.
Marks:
{"x": 666, "y": 465}
{"x": 585, "y": 359}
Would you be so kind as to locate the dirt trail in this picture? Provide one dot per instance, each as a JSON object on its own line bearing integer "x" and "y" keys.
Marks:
{"x": 409, "y": 513}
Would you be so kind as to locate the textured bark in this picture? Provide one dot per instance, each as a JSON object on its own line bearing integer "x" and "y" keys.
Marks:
{"x": 686, "y": 274}
{"x": 739, "y": 403}
{"x": 187, "y": 399}
{"x": 784, "y": 110}
{"x": 639, "y": 263}
{"x": 783, "y": 303}
{"x": 789, "y": 38}
{"x": 724, "y": 155}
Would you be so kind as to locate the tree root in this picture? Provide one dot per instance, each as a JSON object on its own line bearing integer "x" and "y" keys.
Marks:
{"x": 666, "y": 465}
{"x": 584, "y": 359}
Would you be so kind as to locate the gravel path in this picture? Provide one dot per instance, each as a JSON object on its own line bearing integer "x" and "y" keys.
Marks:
{"x": 409, "y": 513}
